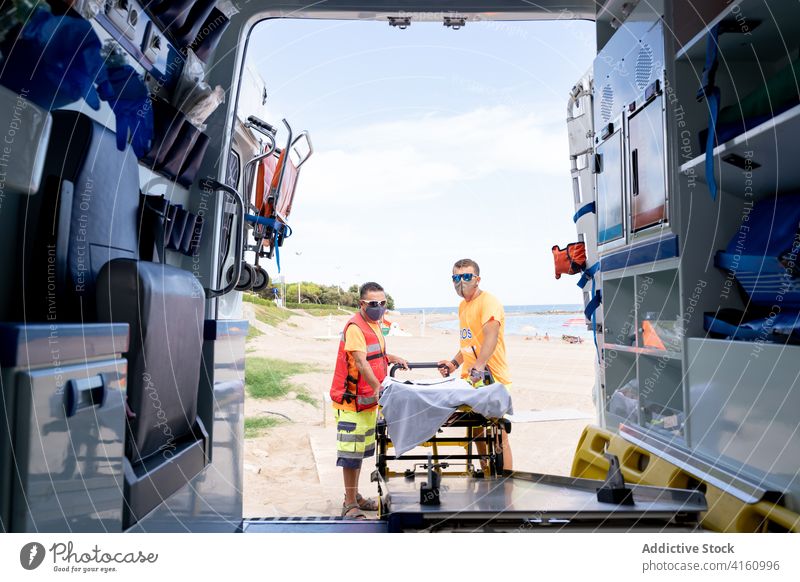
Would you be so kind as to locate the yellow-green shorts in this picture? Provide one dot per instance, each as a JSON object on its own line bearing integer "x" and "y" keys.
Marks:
{"x": 355, "y": 436}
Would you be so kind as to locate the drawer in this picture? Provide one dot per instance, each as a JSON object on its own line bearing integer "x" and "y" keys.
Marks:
{"x": 69, "y": 433}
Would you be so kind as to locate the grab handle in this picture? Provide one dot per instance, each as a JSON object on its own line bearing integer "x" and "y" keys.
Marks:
{"x": 214, "y": 186}
{"x": 304, "y": 135}
{"x": 84, "y": 393}
{"x": 262, "y": 127}
{"x": 412, "y": 366}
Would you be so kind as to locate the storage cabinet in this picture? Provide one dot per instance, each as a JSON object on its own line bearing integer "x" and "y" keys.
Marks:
{"x": 731, "y": 404}
{"x": 642, "y": 378}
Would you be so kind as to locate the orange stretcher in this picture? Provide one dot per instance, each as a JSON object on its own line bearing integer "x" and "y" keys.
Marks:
{"x": 275, "y": 185}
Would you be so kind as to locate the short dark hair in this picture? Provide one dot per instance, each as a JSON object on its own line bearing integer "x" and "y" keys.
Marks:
{"x": 367, "y": 287}
{"x": 464, "y": 263}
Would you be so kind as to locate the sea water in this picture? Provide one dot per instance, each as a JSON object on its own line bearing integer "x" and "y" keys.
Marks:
{"x": 527, "y": 320}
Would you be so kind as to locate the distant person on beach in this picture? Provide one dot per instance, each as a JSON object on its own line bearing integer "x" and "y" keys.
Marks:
{"x": 481, "y": 321}
{"x": 361, "y": 365}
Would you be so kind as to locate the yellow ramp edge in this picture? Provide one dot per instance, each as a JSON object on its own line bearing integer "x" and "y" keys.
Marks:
{"x": 725, "y": 512}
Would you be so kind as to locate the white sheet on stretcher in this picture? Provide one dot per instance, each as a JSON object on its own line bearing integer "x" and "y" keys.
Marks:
{"x": 415, "y": 411}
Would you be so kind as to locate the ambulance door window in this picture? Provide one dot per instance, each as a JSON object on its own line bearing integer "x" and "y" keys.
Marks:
{"x": 648, "y": 184}
{"x": 609, "y": 189}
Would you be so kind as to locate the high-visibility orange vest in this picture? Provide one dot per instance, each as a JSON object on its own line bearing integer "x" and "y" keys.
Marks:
{"x": 348, "y": 385}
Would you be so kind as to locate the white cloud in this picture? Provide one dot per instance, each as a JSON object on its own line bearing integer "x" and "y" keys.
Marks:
{"x": 430, "y": 156}
{"x": 398, "y": 201}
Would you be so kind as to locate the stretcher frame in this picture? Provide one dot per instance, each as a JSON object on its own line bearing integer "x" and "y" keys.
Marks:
{"x": 473, "y": 423}
{"x": 268, "y": 210}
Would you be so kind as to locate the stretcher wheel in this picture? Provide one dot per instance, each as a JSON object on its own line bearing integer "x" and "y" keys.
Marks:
{"x": 260, "y": 280}
{"x": 246, "y": 277}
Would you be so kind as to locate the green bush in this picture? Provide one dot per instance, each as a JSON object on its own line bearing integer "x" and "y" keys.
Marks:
{"x": 316, "y": 294}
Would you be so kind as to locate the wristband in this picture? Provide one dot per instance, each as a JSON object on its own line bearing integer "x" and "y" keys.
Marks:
{"x": 456, "y": 364}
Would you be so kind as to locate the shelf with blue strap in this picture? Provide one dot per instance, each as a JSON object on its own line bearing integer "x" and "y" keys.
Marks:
{"x": 763, "y": 258}
{"x": 709, "y": 92}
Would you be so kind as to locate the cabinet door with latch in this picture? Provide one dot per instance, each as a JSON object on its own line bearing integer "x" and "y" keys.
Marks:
{"x": 647, "y": 166}
{"x": 608, "y": 167}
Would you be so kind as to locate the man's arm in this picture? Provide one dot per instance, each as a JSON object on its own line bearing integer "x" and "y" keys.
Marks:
{"x": 365, "y": 370}
{"x": 491, "y": 333}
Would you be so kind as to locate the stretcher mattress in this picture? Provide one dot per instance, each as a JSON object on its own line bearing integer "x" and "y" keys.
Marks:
{"x": 415, "y": 411}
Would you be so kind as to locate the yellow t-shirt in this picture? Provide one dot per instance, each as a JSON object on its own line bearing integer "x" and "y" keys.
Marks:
{"x": 354, "y": 341}
{"x": 472, "y": 316}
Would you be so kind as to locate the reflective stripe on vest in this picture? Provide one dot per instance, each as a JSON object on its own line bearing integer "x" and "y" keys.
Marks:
{"x": 367, "y": 400}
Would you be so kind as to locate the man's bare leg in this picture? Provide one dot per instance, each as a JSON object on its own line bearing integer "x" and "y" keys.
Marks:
{"x": 504, "y": 447}
{"x": 350, "y": 484}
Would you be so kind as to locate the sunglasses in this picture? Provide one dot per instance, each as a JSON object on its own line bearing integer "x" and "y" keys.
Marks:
{"x": 465, "y": 276}
{"x": 375, "y": 303}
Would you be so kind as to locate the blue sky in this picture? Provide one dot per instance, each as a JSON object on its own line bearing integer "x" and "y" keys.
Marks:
{"x": 430, "y": 145}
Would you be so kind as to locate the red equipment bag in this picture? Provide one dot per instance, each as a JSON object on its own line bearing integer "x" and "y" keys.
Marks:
{"x": 571, "y": 260}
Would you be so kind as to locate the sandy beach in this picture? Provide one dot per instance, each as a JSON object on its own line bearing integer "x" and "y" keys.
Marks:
{"x": 290, "y": 469}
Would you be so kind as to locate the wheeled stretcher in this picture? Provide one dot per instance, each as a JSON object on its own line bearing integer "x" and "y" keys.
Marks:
{"x": 445, "y": 490}
{"x": 451, "y": 454}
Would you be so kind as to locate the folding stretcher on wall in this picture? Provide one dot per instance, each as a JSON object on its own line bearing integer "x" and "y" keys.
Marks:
{"x": 272, "y": 181}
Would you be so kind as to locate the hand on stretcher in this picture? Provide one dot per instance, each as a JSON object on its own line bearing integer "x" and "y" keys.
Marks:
{"x": 478, "y": 376}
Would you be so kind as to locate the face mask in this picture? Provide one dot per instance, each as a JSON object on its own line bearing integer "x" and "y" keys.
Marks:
{"x": 375, "y": 313}
{"x": 463, "y": 288}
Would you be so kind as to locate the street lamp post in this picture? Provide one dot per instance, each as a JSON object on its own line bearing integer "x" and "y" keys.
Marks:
{"x": 298, "y": 253}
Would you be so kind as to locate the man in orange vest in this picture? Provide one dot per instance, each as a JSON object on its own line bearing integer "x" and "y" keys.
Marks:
{"x": 361, "y": 365}
{"x": 482, "y": 323}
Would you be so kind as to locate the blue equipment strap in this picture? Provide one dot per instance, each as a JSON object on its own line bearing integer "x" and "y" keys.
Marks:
{"x": 735, "y": 332}
{"x": 280, "y": 228}
{"x": 744, "y": 263}
{"x": 277, "y": 255}
{"x": 255, "y": 219}
{"x": 711, "y": 94}
{"x": 591, "y": 307}
{"x": 590, "y": 313}
{"x": 713, "y": 110}
{"x": 588, "y": 274}
{"x": 586, "y": 209}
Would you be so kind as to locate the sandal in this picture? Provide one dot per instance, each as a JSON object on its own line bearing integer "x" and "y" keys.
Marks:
{"x": 349, "y": 513}
{"x": 366, "y": 503}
